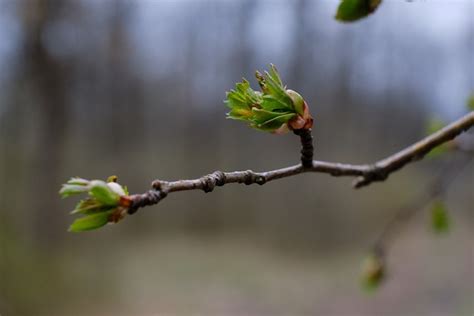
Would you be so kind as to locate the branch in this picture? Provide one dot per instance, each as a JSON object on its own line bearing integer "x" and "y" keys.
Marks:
{"x": 365, "y": 173}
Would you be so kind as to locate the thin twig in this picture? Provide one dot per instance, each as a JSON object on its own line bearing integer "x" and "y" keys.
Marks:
{"x": 365, "y": 173}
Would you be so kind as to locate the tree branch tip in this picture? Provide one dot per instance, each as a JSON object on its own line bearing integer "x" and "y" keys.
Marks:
{"x": 159, "y": 185}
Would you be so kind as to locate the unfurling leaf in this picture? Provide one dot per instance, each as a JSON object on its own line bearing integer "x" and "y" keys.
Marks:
{"x": 74, "y": 186}
{"x": 90, "y": 222}
{"x": 352, "y": 10}
{"x": 439, "y": 217}
{"x": 373, "y": 272}
{"x": 274, "y": 109}
{"x": 103, "y": 193}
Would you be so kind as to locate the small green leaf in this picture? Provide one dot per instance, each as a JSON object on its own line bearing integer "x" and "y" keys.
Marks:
{"x": 373, "y": 272}
{"x": 125, "y": 189}
{"x": 470, "y": 103}
{"x": 103, "y": 193}
{"x": 439, "y": 217}
{"x": 269, "y": 121}
{"x": 271, "y": 103}
{"x": 90, "y": 222}
{"x": 352, "y": 10}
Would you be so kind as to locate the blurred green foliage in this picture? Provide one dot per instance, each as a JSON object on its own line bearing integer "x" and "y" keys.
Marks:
{"x": 440, "y": 221}
{"x": 352, "y": 10}
{"x": 373, "y": 272}
{"x": 470, "y": 103}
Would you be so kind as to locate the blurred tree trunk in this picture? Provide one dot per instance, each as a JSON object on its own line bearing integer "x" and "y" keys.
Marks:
{"x": 46, "y": 78}
{"x": 123, "y": 97}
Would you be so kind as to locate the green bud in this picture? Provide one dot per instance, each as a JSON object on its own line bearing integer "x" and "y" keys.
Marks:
{"x": 373, "y": 272}
{"x": 117, "y": 188}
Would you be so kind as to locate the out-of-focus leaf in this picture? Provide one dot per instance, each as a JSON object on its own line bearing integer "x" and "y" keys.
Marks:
{"x": 470, "y": 103}
{"x": 352, "y": 10}
{"x": 434, "y": 125}
{"x": 90, "y": 222}
{"x": 439, "y": 217}
{"x": 438, "y": 151}
{"x": 373, "y": 272}
{"x": 103, "y": 193}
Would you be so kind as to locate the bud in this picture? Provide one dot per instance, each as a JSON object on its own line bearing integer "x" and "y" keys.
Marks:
{"x": 373, "y": 271}
{"x": 117, "y": 188}
{"x": 103, "y": 192}
{"x": 297, "y": 100}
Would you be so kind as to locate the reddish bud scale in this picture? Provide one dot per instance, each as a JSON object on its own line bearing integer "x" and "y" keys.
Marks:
{"x": 125, "y": 201}
{"x": 302, "y": 122}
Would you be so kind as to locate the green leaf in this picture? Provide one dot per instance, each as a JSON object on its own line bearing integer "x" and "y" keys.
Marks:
{"x": 90, "y": 222}
{"x": 373, "y": 272}
{"x": 352, "y": 10}
{"x": 276, "y": 89}
{"x": 439, "y": 217}
{"x": 470, "y": 103}
{"x": 270, "y": 121}
{"x": 271, "y": 103}
{"x": 103, "y": 193}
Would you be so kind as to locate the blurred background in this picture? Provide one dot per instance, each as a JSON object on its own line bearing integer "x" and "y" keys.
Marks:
{"x": 136, "y": 88}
